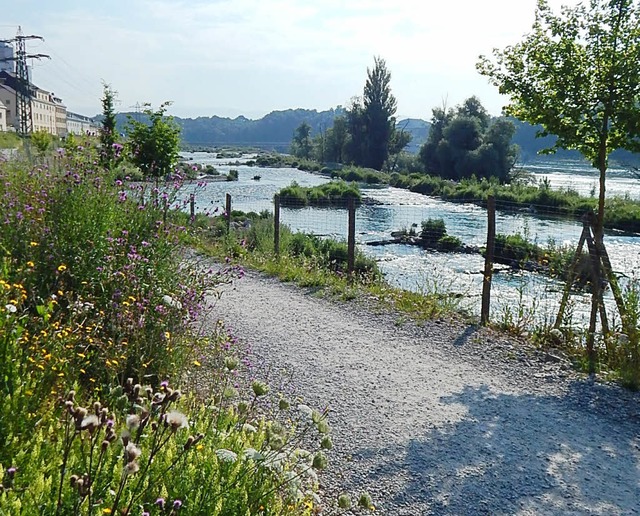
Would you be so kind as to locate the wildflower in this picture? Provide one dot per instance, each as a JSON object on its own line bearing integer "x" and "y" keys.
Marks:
{"x": 344, "y": 502}
{"x": 326, "y": 443}
{"x": 365, "y": 500}
{"x": 133, "y": 421}
{"x": 62, "y": 267}
{"x": 90, "y": 422}
{"x": 160, "y": 502}
{"x": 283, "y": 404}
{"x": 106, "y": 510}
{"x": 319, "y": 461}
{"x": 30, "y": 264}
{"x": 177, "y": 420}
{"x": 227, "y": 455}
{"x": 11, "y": 472}
{"x": 196, "y": 363}
{"x": 132, "y": 452}
{"x": 177, "y": 504}
{"x": 231, "y": 363}
{"x": 170, "y": 302}
{"x": 33, "y": 244}
{"x": 259, "y": 388}
{"x": 306, "y": 410}
{"x": 11, "y": 308}
{"x": 131, "y": 468}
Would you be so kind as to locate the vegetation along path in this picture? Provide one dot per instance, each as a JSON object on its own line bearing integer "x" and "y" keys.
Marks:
{"x": 443, "y": 418}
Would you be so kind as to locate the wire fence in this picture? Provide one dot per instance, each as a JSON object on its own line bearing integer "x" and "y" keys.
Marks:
{"x": 441, "y": 247}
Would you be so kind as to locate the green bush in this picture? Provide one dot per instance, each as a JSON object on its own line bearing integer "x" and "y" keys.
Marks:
{"x": 334, "y": 193}
{"x": 432, "y": 231}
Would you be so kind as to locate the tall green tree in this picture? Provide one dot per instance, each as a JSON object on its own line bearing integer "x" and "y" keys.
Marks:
{"x": 301, "y": 145}
{"x": 154, "y": 142}
{"x": 577, "y": 74}
{"x": 109, "y": 149}
{"x": 370, "y": 119}
{"x": 379, "y": 106}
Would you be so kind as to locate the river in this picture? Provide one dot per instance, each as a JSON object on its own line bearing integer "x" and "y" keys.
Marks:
{"x": 521, "y": 294}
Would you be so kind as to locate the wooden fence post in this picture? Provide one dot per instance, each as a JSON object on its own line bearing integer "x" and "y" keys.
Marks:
{"x": 228, "y": 211}
{"x": 351, "y": 237}
{"x": 192, "y": 206}
{"x": 488, "y": 260}
{"x": 276, "y": 224}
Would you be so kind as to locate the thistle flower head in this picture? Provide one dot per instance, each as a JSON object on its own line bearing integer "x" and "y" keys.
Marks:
{"x": 131, "y": 468}
{"x": 177, "y": 420}
{"x": 90, "y": 422}
{"x": 132, "y": 452}
{"x": 133, "y": 422}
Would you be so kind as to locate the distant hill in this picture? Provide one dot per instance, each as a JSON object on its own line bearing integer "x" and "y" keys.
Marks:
{"x": 275, "y": 131}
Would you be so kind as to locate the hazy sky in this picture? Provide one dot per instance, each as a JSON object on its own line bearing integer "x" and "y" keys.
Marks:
{"x": 232, "y": 57}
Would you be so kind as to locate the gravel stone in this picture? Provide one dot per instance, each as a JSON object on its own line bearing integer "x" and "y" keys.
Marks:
{"x": 443, "y": 417}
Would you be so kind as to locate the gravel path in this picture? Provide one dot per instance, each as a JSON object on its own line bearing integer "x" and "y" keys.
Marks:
{"x": 443, "y": 418}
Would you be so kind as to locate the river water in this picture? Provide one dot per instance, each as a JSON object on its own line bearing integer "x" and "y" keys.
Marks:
{"x": 529, "y": 294}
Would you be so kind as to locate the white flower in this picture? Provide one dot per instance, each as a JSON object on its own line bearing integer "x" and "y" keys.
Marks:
{"x": 131, "y": 468}
{"x": 90, "y": 422}
{"x": 132, "y": 452}
{"x": 177, "y": 420}
{"x": 250, "y": 429}
{"x": 11, "y": 308}
{"x": 253, "y": 454}
{"x": 227, "y": 455}
{"x": 306, "y": 410}
{"x": 133, "y": 421}
{"x": 173, "y": 303}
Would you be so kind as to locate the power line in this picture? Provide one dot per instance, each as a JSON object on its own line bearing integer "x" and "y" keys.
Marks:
{"x": 24, "y": 89}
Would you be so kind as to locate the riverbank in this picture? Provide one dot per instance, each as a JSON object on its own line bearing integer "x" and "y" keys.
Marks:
{"x": 442, "y": 417}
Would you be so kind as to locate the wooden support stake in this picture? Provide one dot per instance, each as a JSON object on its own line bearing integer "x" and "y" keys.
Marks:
{"x": 351, "y": 237}
{"x": 192, "y": 206}
{"x": 276, "y": 225}
{"x": 228, "y": 212}
{"x": 571, "y": 276}
{"x": 488, "y": 260}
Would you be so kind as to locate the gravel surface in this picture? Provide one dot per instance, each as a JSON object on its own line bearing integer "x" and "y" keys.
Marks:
{"x": 443, "y": 418}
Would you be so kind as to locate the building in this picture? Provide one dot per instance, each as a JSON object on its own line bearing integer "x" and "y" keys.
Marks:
{"x": 8, "y": 100}
{"x": 61, "y": 116}
{"x": 7, "y": 64}
{"x": 43, "y": 110}
{"x": 80, "y": 124}
{"x": 47, "y": 111}
{"x": 3, "y": 117}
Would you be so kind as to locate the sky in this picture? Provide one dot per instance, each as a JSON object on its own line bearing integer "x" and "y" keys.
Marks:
{"x": 251, "y": 57}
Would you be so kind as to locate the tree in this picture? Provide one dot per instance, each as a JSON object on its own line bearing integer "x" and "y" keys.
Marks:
{"x": 466, "y": 142}
{"x": 379, "y": 107}
{"x": 109, "y": 150}
{"x": 301, "y": 145}
{"x": 370, "y": 119}
{"x": 154, "y": 143}
{"x": 578, "y": 75}
{"x": 42, "y": 141}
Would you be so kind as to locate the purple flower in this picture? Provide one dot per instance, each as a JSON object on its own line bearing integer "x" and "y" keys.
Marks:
{"x": 177, "y": 504}
{"x": 160, "y": 503}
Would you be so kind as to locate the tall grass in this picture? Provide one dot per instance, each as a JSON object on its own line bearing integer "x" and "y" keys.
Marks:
{"x": 98, "y": 304}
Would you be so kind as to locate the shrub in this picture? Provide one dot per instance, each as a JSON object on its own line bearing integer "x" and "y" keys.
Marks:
{"x": 432, "y": 231}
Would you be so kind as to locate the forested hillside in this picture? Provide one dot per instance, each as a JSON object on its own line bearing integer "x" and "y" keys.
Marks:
{"x": 275, "y": 131}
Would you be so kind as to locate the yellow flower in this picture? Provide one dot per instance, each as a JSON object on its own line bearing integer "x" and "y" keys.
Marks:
{"x": 196, "y": 363}
{"x": 199, "y": 447}
{"x": 106, "y": 510}
{"x": 30, "y": 264}
{"x": 62, "y": 267}
{"x": 167, "y": 335}
{"x": 33, "y": 244}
